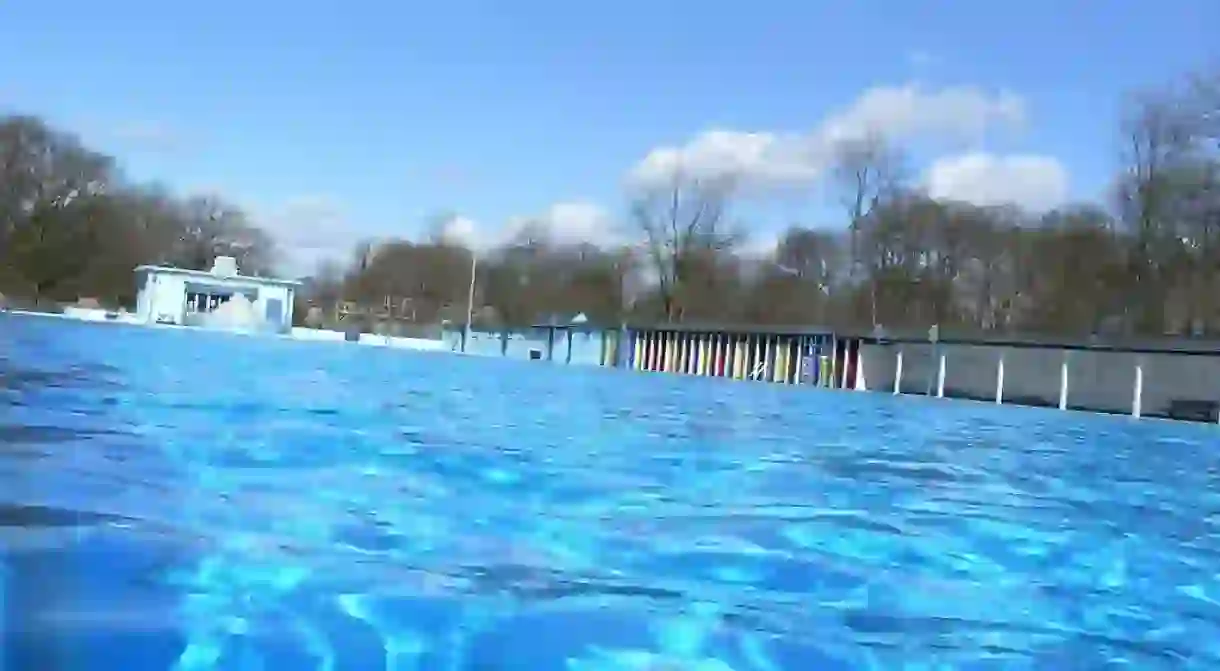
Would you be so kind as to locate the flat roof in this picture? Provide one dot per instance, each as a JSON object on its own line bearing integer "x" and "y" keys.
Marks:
{"x": 574, "y": 326}
{"x": 212, "y": 277}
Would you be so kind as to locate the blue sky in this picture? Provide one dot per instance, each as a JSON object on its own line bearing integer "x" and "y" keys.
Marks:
{"x": 331, "y": 121}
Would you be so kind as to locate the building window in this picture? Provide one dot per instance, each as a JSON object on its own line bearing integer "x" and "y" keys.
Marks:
{"x": 203, "y": 302}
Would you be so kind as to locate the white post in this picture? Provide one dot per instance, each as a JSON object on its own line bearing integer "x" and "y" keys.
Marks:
{"x": 474, "y": 265}
{"x": 940, "y": 377}
{"x": 829, "y": 368}
{"x": 1137, "y": 401}
{"x": 999, "y": 380}
{"x": 1063, "y": 382}
{"x": 860, "y": 384}
{"x": 898, "y": 373}
{"x": 846, "y": 358}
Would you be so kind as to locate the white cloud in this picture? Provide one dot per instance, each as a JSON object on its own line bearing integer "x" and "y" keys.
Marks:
{"x": 761, "y": 158}
{"x": 719, "y": 153}
{"x": 460, "y": 230}
{"x": 1035, "y": 182}
{"x": 567, "y": 223}
{"x": 307, "y": 230}
{"x": 580, "y": 222}
{"x": 964, "y": 112}
{"x": 310, "y": 229}
{"x": 562, "y": 223}
{"x": 760, "y": 245}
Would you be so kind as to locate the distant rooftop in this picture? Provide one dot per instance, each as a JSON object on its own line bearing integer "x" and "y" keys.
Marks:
{"x": 223, "y": 268}
{"x": 580, "y": 322}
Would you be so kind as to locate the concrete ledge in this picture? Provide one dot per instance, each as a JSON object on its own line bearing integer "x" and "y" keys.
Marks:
{"x": 299, "y": 333}
{"x": 401, "y": 343}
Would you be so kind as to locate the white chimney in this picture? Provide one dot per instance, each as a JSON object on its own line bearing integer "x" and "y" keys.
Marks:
{"x": 225, "y": 266}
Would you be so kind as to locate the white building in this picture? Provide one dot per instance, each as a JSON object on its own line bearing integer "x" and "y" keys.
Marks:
{"x": 186, "y": 297}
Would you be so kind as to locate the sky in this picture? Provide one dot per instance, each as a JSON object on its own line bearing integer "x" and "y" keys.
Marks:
{"x": 335, "y": 121}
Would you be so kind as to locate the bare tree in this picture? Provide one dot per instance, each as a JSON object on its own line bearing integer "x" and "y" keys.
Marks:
{"x": 866, "y": 170}
{"x": 1204, "y": 99}
{"x": 51, "y": 198}
{"x": 1075, "y": 261}
{"x": 209, "y": 226}
{"x": 911, "y": 263}
{"x": 71, "y": 226}
{"x": 1154, "y": 137}
{"x": 798, "y": 288}
{"x": 811, "y": 255}
{"x": 683, "y": 222}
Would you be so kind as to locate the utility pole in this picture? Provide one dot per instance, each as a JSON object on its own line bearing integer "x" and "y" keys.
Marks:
{"x": 474, "y": 266}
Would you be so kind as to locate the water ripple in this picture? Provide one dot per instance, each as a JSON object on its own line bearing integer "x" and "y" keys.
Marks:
{"x": 335, "y": 508}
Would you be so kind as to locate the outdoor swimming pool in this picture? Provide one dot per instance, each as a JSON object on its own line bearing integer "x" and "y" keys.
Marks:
{"x": 182, "y": 500}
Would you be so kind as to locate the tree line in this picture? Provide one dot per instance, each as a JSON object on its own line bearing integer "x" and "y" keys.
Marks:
{"x": 72, "y": 226}
{"x": 1145, "y": 260}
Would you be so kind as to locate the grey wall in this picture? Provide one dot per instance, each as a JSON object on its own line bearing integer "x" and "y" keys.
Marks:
{"x": 1099, "y": 381}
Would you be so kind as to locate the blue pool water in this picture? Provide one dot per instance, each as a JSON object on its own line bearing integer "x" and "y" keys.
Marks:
{"x": 185, "y": 500}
